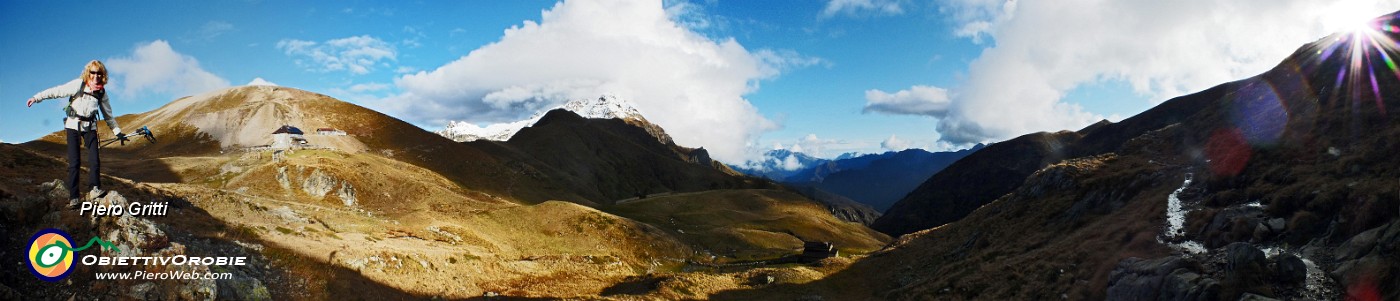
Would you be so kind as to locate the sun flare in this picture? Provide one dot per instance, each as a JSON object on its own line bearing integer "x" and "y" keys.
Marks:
{"x": 1348, "y": 16}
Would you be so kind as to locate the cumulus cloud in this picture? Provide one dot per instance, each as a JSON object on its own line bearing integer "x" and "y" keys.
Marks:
{"x": 790, "y": 163}
{"x": 917, "y": 100}
{"x": 357, "y": 54}
{"x": 156, "y": 68}
{"x": 260, "y": 82}
{"x": 1042, "y": 50}
{"x": 691, "y": 85}
{"x": 858, "y": 7}
{"x": 894, "y": 144}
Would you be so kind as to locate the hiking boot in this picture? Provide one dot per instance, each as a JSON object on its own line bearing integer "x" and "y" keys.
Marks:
{"x": 97, "y": 193}
{"x": 73, "y": 203}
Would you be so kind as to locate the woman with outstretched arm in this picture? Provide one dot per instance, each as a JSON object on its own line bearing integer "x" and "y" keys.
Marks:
{"x": 87, "y": 96}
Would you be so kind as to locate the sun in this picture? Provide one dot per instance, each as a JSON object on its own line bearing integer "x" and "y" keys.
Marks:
{"x": 1365, "y": 45}
{"x": 1348, "y": 17}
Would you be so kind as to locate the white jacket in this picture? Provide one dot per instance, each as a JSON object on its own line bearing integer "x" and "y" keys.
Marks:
{"x": 85, "y": 105}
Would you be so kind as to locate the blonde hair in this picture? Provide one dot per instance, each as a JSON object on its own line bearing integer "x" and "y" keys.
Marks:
{"x": 94, "y": 64}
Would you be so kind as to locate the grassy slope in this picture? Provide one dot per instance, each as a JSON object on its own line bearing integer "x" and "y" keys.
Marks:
{"x": 749, "y": 224}
{"x": 434, "y": 217}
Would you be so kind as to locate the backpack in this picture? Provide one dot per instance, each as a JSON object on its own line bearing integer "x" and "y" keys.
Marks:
{"x": 69, "y": 109}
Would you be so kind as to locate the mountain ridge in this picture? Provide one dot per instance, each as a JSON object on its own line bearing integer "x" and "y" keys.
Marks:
{"x": 1280, "y": 185}
{"x": 876, "y": 180}
{"x": 604, "y": 107}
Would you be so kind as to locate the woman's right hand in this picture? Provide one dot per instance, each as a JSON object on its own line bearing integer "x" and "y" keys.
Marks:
{"x": 31, "y": 102}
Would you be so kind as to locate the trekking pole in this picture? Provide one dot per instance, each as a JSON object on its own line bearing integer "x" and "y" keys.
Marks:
{"x": 123, "y": 138}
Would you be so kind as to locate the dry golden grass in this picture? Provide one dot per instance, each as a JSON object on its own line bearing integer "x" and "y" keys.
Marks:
{"x": 749, "y": 224}
{"x": 433, "y": 217}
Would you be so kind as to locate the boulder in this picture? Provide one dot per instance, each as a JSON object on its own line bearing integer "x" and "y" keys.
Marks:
{"x": 1242, "y": 256}
{"x": 1289, "y": 269}
{"x": 1244, "y": 271}
{"x": 1232, "y": 225}
{"x": 1139, "y": 279}
{"x": 1185, "y": 285}
{"x": 1362, "y": 244}
{"x": 1277, "y": 224}
{"x": 319, "y": 183}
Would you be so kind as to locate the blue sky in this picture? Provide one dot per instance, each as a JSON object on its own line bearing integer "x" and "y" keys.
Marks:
{"x": 737, "y": 77}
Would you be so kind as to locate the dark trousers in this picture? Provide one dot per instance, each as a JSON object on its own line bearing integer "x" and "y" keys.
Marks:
{"x": 75, "y": 160}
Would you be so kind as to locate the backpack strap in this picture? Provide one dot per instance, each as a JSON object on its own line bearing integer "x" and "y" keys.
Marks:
{"x": 69, "y": 109}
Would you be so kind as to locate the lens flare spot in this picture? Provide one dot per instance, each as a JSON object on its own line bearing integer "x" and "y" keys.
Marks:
{"x": 1259, "y": 113}
{"x": 1228, "y": 152}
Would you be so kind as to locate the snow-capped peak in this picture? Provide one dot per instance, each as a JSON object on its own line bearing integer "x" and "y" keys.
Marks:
{"x": 605, "y": 107}
{"x": 258, "y": 81}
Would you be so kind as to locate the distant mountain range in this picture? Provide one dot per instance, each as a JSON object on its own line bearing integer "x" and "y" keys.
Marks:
{"x": 605, "y": 107}
{"x": 877, "y": 180}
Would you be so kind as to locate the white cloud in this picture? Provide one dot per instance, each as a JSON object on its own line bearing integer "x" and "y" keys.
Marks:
{"x": 857, "y": 7}
{"x": 260, "y": 82}
{"x": 368, "y": 87}
{"x": 894, "y": 144}
{"x": 156, "y": 68}
{"x": 691, "y": 85}
{"x": 786, "y": 59}
{"x": 821, "y": 148}
{"x": 688, "y": 15}
{"x": 917, "y": 100}
{"x": 791, "y": 163}
{"x": 357, "y": 55}
{"x": 1042, "y": 50}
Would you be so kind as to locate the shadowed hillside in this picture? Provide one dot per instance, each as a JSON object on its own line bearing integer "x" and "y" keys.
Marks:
{"x": 975, "y": 180}
{"x": 1283, "y": 185}
{"x": 607, "y": 160}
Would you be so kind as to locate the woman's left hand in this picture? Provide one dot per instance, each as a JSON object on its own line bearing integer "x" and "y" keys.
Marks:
{"x": 31, "y": 102}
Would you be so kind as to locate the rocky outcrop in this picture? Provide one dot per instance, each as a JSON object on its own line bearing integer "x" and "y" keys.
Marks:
{"x": 346, "y": 194}
{"x": 139, "y": 237}
{"x": 1138, "y": 279}
{"x": 283, "y": 179}
{"x": 1367, "y": 261}
{"x": 319, "y": 184}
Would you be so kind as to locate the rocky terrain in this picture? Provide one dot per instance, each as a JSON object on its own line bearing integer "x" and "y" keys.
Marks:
{"x": 569, "y": 208}
{"x": 1280, "y": 186}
